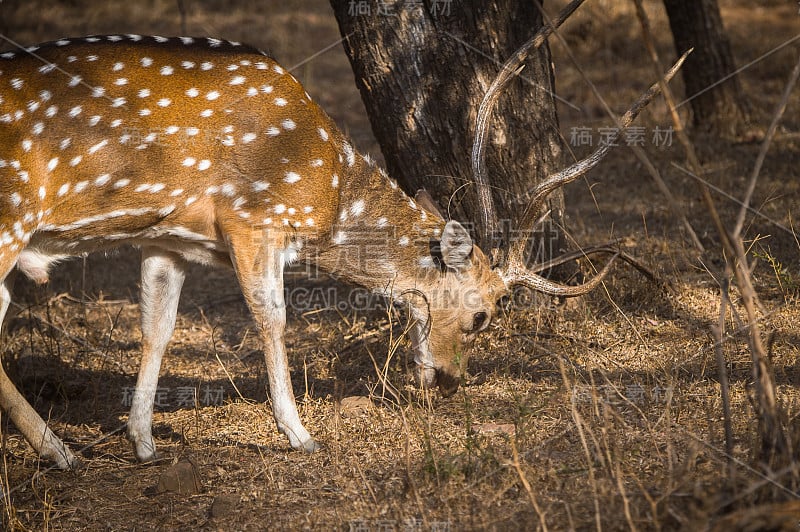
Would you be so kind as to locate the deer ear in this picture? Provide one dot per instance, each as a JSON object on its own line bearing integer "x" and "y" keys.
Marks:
{"x": 456, "y": 245}
{"x": 424, "y": 198}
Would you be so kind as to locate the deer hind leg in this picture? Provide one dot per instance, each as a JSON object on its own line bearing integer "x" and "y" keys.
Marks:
{"x": 259, "y": 268}
{"x": 22, "y": 414}
{"x": 162, "y": 279}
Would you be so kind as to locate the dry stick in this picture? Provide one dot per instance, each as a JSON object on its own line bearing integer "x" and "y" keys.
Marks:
{"x": 637, "y": 150}
{"x": 578, "y": 420}
{"x": 762, "y": 153}
{"x": 733, "y": 198}
{"x": 79, "y": 341}
{"x": 625, "y": 503}
{"x": 752, "y": 488}
{"x": 409, "y": 476}
{"x": 773, "y": 436}
{"x": 527, "y": 486}
{"x": 596, "y": 249}
{"x": 769, "y": 477}
{"x": 722, "y": 372}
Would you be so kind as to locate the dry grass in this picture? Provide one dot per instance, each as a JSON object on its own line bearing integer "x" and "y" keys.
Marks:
{"x": 614, "y": 400}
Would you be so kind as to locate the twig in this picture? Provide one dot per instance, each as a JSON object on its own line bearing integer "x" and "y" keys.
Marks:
{"x": 527, "y": 486}
{"x": 774, "y": 440}
{"x": 640, "y": 154}
{"x": 578, "y": 420}
{"x": 592, "y": 250}
{"x": 724, "y": 390}
{"x": 625, "y": 502}
{"x": 762, "y": 153}
{"x": 768, "y": 479}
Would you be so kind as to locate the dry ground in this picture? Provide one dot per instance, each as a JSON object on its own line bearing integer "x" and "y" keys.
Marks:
{"x": 612, "y": 403}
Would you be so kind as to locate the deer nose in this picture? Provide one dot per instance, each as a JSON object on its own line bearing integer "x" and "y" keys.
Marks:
{"x": 447, "y": 382}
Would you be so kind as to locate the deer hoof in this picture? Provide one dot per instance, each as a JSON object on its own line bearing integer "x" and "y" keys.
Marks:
{"x": 310, "y": 446}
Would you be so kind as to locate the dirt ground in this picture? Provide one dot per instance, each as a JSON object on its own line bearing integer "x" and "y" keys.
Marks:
{"x": 600, "y": 413}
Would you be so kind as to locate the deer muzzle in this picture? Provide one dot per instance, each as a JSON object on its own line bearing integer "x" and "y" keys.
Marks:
{"x": 428, "y": 377}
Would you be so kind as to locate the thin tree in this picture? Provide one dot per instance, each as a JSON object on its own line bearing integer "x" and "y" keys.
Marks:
{"x": 714, "y": 91}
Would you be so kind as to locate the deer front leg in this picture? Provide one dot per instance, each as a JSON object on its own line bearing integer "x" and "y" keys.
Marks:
{"x": 260, "y": 273}
{"x": 162, "y": 279}
{"x": 22, "y": 414}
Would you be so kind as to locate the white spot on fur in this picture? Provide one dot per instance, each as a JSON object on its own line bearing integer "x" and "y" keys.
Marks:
{"x": 357, "y": 208}
{"x": 99, "y": 146}
{"x": 349, "y": 153}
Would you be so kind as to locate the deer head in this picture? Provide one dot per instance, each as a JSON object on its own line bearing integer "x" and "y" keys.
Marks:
{"x": 460, "y": 302}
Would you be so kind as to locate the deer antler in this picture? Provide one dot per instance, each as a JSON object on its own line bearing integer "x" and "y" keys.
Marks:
{"x": 509, "y": 69}
{"x": 513, "y": 269}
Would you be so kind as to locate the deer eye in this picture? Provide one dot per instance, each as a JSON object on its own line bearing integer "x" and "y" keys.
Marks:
{"x": 478, "y": 321}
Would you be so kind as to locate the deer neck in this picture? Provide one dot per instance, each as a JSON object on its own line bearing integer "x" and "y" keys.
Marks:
{"x": 381, "y": 238}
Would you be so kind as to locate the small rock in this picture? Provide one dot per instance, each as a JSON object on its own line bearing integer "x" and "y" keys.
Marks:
{"x": 224, "y": 504}
{"x": 183, "y": 478}
{"x": 494, "y": 428}
{"x": 356, "y": 405}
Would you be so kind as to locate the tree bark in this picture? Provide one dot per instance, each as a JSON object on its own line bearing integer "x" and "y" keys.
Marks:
{"x": 717, "y": 108}
{"x": 423, "y": 68}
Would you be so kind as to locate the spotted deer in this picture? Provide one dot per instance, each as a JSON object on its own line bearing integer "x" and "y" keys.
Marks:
{"x": 207, "y": 151}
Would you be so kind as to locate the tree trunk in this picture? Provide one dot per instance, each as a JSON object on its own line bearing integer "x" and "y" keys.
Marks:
{"x": 423, "y": 68}
{"x": 717, "y": 108}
